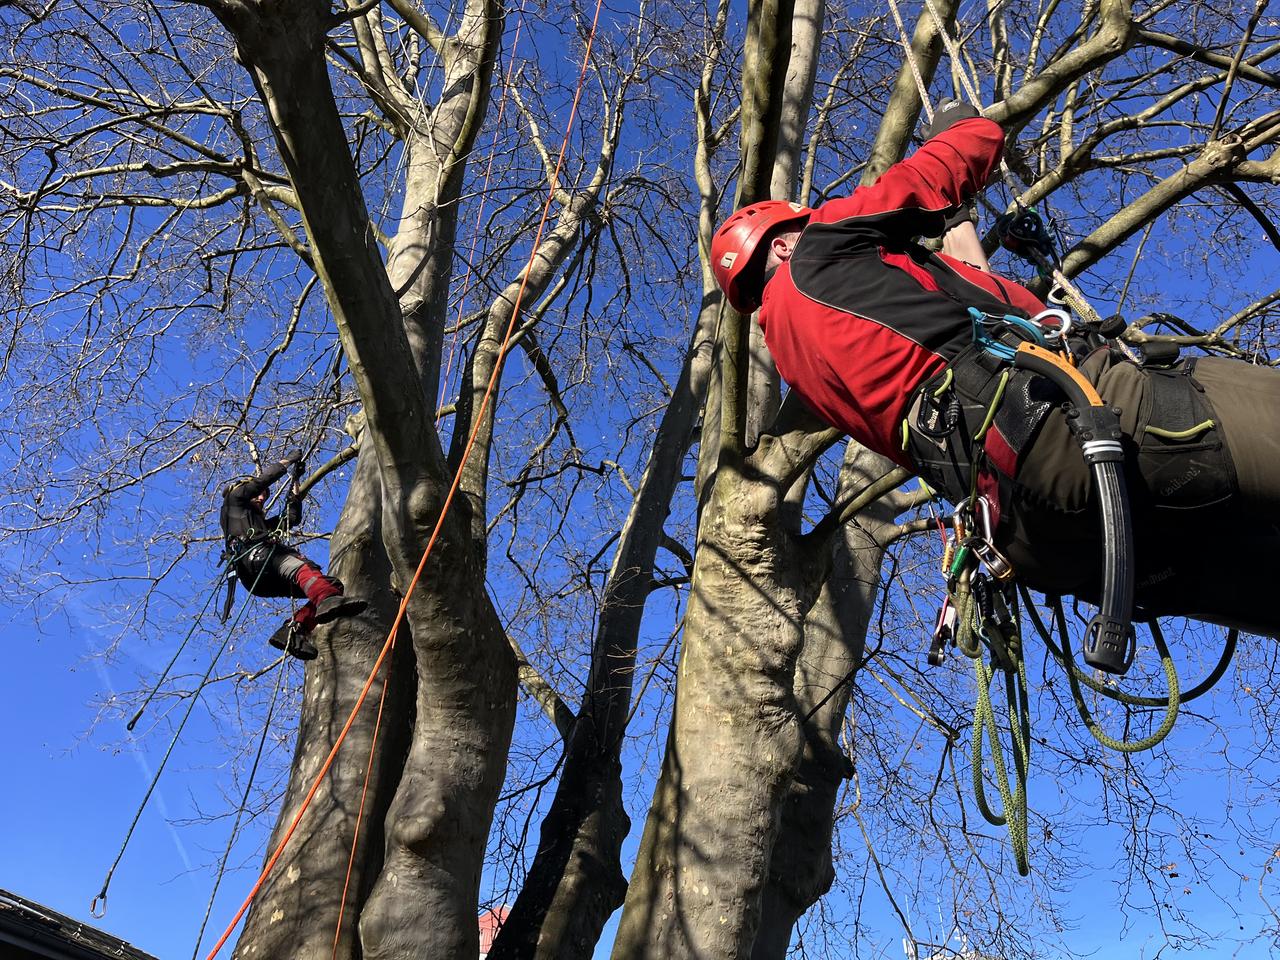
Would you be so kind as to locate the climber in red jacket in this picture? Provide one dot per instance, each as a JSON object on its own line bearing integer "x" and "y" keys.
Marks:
{"x": 849, "y": 275}
{"x": 878, "y": 336}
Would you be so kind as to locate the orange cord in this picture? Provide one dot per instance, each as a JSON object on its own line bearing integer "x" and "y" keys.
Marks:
{"x": 453, "y": 346}
{"x": 444, "y": 510}
{"x": 364, "y": 792}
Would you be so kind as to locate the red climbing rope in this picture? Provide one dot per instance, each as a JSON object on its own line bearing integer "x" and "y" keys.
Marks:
{"x": 444, "y": 510}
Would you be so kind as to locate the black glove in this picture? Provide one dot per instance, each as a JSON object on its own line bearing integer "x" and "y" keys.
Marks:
{"x": 947, "y": 115}
{"x": 297, "y": 470}
{"x": 293, "y": 456}
{"x": 966, "y": 213}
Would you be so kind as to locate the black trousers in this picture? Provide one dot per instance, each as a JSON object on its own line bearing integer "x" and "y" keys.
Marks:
{"x": 1203, "y": 472}
{"x": 271, "y": 570}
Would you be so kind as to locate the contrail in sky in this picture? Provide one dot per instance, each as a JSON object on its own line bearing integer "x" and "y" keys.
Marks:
{"x": 144, "y": 765}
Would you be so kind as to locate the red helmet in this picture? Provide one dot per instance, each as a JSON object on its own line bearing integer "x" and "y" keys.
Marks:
{"x": 734, "y": 246}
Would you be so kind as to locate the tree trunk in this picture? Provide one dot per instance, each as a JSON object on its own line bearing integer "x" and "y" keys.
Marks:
{"x": 734, "y": 742}
{"x": 425, "y": 900}
{"x": 296, "y": 914}
{"x": 576, "y": 881}
{"x": 801, "y": 869}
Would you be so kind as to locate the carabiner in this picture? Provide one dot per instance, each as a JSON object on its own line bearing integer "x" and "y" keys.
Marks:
{"x": 982, "y": 516}
{"x": 943, "y": 633}
{"x": 1053, "y": 334}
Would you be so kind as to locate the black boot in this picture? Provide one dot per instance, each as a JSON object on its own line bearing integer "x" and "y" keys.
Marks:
{"x": 331, "y": 608}
{"x": 293, "y": 641}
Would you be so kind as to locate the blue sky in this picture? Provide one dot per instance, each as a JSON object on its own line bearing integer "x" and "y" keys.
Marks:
{"x": 78, "y": 793}
{"x": 85, "y": 776}
{"x": 76, "y": 777}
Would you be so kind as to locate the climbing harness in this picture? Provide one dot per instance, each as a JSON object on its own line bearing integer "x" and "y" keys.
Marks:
{"x": 973, "y": 390}
{"x": 981, "y": 613}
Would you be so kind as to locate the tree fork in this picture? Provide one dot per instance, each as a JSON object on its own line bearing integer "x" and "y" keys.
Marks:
{"x": 425, "y": 899}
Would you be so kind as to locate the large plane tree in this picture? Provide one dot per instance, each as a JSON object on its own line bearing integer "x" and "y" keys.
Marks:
{"x": 234, "y": 226}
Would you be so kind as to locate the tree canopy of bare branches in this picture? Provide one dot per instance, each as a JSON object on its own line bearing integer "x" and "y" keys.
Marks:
{"x": 460, "y": 256}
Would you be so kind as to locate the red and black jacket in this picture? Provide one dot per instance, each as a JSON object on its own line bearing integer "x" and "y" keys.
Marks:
{"x": 862, "y": 314}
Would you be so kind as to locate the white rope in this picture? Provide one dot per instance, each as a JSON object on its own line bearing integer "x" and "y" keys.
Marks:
{"x": 1077, "y": 299}
{"x": 911, "y": 60}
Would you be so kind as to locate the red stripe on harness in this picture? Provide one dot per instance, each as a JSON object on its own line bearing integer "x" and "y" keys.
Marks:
{"x": 1002, "y": 456}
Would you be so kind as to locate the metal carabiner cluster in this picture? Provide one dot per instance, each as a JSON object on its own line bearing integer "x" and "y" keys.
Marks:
{"x": 972, "y": 563}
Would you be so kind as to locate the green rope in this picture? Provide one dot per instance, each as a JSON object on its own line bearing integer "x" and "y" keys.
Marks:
{"x": 1187, "y": 434}
{"x": 993, "y": 407}
{"x": 1120, "y": 696}
{"x": 967, "y": 639}
{"x": 1013, "y": 801}
{"x": 1172, "y": 702}
{"x": 1006, "y": 654}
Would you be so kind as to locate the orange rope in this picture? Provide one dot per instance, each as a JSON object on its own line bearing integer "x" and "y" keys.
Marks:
{"x": 444, "y": 510}
{"x": 364, "y": 792}
{"x": 466, "y": 286}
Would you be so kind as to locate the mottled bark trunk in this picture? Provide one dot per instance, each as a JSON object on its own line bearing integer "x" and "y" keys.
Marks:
{"x": 734, "y": 742}
{"x": 807, "y": 23}
{"x": 296, "y": 914}
{"x": 801, "y": 869}
{"x": 576, "y": 882}
{"x": 419, "y": 254}
{"x": 425, "y": 899}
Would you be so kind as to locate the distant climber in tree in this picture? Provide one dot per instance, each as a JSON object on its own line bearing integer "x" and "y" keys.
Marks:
{"x": 269, "y": 567}
{"x": 910, "y": 353}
